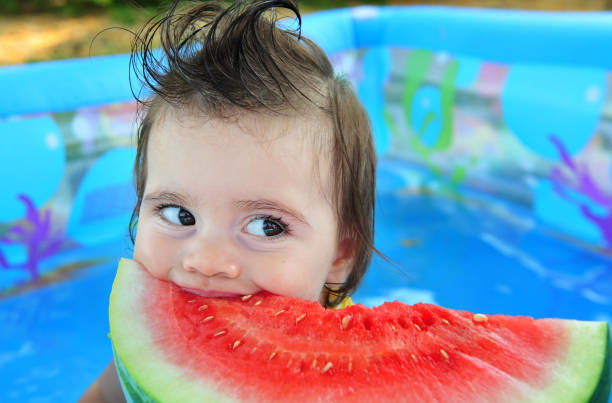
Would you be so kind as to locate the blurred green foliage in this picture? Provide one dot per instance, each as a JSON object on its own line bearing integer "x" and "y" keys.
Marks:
{"x": 120, "y": 10}
{"x": 124, "y": 10}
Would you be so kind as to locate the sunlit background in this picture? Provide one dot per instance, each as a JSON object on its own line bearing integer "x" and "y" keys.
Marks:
{"x": 36, "y": 30}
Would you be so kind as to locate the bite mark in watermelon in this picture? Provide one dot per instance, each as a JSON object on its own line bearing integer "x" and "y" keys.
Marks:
{"x": 171, "y": 345}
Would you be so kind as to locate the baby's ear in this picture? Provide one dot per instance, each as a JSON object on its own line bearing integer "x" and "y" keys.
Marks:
{"x": 344, "y": 261}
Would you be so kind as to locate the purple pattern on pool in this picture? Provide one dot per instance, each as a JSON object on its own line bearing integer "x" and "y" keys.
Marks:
{"x": 36, "y": 234}
{"x": 577, "y": 177}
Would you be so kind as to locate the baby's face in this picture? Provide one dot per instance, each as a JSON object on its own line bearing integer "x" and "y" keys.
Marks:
{"x": 236, "y": 207}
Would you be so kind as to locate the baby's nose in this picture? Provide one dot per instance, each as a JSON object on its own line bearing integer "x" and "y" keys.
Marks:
{"x": 211, "y": 260}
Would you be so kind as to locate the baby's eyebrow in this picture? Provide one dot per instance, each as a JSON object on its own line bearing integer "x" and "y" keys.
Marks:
{"x": 169, "y": 197}
{"x": 262, "y": 204}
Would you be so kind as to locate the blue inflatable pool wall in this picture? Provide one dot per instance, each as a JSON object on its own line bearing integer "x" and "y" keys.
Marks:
{"x": 495, "y": 143}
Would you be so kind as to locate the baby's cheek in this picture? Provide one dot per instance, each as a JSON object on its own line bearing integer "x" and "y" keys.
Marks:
{"x": 293, "y": 278}
{"x": 154, "y": 252}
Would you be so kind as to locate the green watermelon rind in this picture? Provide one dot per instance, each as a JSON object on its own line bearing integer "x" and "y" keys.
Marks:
{"x": 588, "y": 355}
{"x": 131, "y": 390}
{"x": 602, "y": 392}
{"x": 139, "y": 363}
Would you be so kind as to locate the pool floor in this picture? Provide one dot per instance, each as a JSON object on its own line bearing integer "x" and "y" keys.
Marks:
{"x": 459, "y": 254}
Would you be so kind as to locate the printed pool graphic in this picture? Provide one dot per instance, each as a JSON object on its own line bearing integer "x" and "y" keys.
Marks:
{"x": 104, "y": 200}
{"x": 533, "y": 115}
{"x": 41, "y": 141}
{"x": 38, "y": 237}
{"x": 579, "y": 184}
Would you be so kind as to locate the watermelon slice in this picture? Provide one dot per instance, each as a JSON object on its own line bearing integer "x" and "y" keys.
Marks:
{"x": 173, "y": 346}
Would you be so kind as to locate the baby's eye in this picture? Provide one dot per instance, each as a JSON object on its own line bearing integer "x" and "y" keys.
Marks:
{"x": 266, "y": 226}
{"x": 178, "y": 215}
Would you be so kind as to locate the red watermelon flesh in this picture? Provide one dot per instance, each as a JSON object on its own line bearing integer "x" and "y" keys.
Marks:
{"x": 175, "y": 346}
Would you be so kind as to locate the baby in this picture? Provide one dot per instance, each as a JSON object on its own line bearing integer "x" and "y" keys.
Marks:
{"x": 255, "y": 165}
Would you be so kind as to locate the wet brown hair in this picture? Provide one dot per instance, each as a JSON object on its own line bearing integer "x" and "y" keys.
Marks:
{"x": 236, "y": 58}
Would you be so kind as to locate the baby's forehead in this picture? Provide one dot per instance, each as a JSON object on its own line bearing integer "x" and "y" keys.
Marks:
{"x": 298, "y": 136}
{"x": 308, "y": 128}
{"x": 309, "y": 136}
{"x": 306, "y": 131}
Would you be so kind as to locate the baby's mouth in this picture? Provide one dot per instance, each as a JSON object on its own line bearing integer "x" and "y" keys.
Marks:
{"x": 210, "y": 293}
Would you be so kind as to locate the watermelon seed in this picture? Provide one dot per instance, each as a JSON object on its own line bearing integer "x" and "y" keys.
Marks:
{"x": 413, "y": 357}
{"x": 203, "y": 307}
{"x": 272, "y": 356}
{"x": 444, "y": 354}
{"x": 246, "y": 297}
{"x": 445, "y": 321}
{"x": 417, "y": 327}
{"x": 326, "y": 367}
{"x": 279, "y": 312}
{"x": 221, "y": 333}
{"x": 206, "y": 319}
{"x": 350, "y": 366}
{"x": 345, "y": 322}
{"x": 258, "y": 302}
{"x": 236, "y": 344}
{"x": 191, "y": 301}
{"x": 314, "y": 364}
{"x": 299, "y": 318}
{"x": 480, "y": 317}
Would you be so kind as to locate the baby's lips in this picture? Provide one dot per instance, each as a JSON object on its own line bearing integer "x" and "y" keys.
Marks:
{"x": 210, "y": 293}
